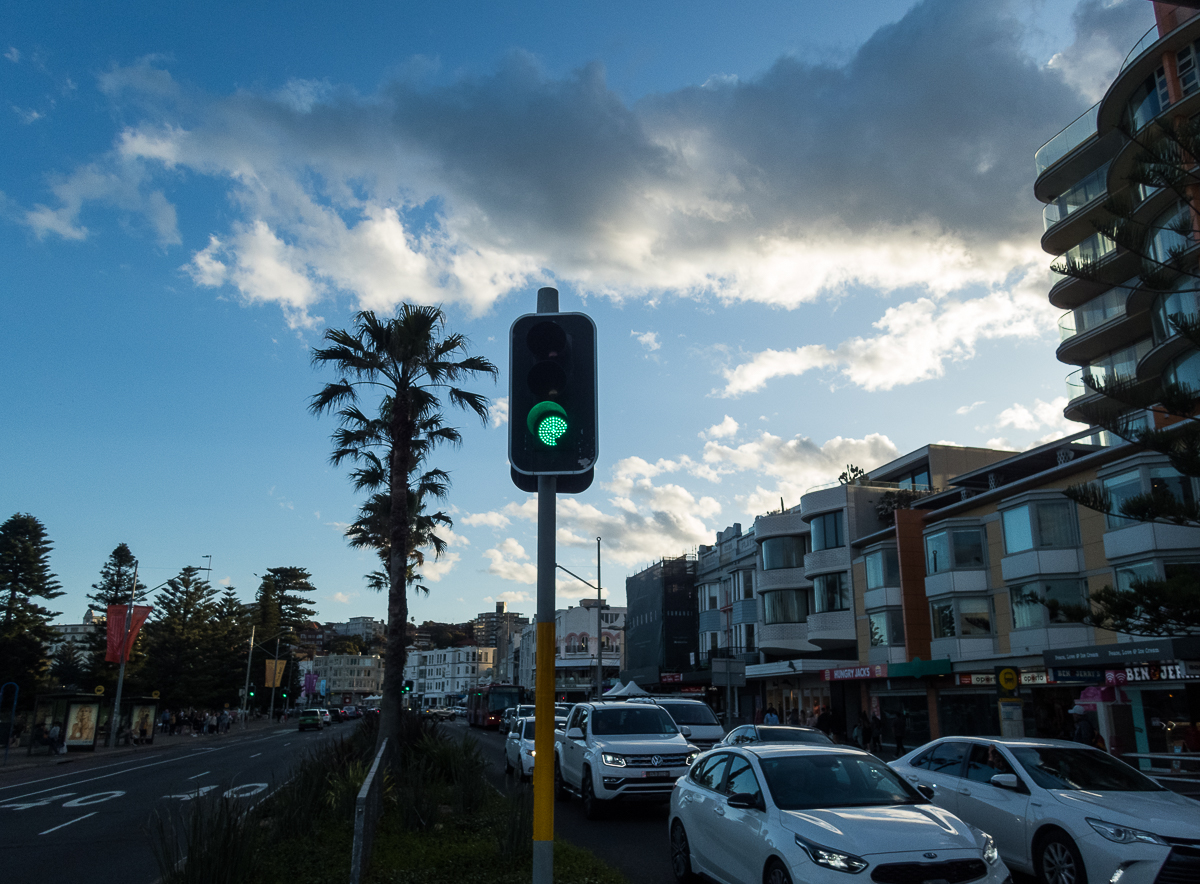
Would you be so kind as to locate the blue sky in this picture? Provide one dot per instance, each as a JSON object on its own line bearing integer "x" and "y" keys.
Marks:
{"x": 806, "y": 233}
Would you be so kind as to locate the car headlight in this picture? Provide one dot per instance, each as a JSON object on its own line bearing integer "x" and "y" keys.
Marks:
{"x": 531, "y": 752}
{"x": 692, "y": 756}
{"x": 1123, "y": 834}
{"x": 832, "y": 859}
{"x": 613, "y": 760}
{"x": 990, "y": 853}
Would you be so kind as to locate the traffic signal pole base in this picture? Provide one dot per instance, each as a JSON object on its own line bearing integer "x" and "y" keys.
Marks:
{"x": 543, "y": 862}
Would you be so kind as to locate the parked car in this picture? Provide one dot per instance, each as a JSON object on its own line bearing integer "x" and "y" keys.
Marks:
{"x": 696, "y": 715}
{"x": 518, "y": 748}
{"x": 523, "y": 710}
{"x": 335, "y": 715}
{"x": 775, "y": 733}
{"x": 459, "y": 711}
{"x": 1062, "y": 811}
{"x": 310, "y": 719}
{"x": 325, "y": 716}
{"x": 783, "y": 813}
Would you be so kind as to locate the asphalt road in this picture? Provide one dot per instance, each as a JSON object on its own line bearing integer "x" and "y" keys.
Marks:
{"x": 632, "y": 838}
{"x": 87, "y": 820}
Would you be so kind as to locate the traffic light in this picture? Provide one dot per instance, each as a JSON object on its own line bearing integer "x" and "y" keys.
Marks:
{"x": 552, "y": 423}
{"x": 285, "y": 695}
{"x": 251, "y": 689}
{"x": 408, "y": 686}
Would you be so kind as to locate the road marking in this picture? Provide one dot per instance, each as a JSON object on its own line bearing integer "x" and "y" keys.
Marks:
{"x": 245, "y": 790}
{"x": 188, "y": 796}
{"x": 64, "y": 825}
{"x": 199, "y": 775}
{"x": 93, "y": 799}
{"x": 256, "y": 754}
{"x": 93, "y": 779}
{"x": 39, "y": 803}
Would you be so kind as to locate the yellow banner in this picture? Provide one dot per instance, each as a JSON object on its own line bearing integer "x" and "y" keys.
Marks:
{"x": 274, "y": 673}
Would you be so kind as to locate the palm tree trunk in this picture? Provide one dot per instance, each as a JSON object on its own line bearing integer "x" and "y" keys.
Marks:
{"x": 402, "y": 430}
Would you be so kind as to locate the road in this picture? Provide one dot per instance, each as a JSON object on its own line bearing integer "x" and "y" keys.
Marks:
{"x": 632, "y": 838}
{"x": 87, "y": 820}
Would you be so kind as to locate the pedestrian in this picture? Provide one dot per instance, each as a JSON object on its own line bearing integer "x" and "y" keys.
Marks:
{"x": 793, "y": 716}
{"x": 772, "y": 717}
{"x": 899, "y": 727}
{"x": 1082, "y": 731}
{"x": 876, "y": 732}
{"x": 55, "y": 732}
{"x": 825, "y": 721}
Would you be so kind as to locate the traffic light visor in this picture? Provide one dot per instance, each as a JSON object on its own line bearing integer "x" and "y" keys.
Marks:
{"x": 548, "y": 421}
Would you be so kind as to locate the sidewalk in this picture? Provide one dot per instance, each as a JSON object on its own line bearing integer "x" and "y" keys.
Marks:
{"x": 18, "y": 760}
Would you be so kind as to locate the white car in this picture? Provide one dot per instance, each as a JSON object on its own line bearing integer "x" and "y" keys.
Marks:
{"x": 518, "y": 748}
{"x": 325, "y": 716}
{"x": 1062, "y": 811}
{"x": 779, "y": 814}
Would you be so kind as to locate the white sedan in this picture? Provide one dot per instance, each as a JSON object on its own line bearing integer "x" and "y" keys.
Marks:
{"x": 1062, "y": 811}
{"x": 777, "y": 814}
{"x": 518, "y": 748}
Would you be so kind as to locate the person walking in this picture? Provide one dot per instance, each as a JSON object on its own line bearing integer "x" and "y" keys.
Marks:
{"x": 899, "y": 728}
{"x": 772, "y": 717}
{"x": 876, "y": 732}
{"x": 1082, "y": 731}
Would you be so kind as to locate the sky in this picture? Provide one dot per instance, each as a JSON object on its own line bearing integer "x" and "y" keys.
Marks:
{"x": 805, "y": 230}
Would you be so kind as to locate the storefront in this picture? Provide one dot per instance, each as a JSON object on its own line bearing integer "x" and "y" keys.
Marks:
{"x": 1144, "y": 696}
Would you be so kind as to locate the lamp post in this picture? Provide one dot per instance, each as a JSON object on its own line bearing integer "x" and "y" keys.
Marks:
{"x": 249, "y": 659}
{"x": 114, "y": 721}
{"x": 599, "y": 607}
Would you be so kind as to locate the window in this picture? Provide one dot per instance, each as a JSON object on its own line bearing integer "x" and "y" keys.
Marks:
{"x": 741, "y": 779}
{"x": 831, "y": 592}
{"x": 1148, "y": 101}
{"x": 957, "y": 548}
{"x": 783, "y": 552}
{"x": 1181, "y": 301}
{"x": 1168, "y": 480}
{"x": 827, "y": 532}
{"x": 785, "y": 606}
{"x": 1121, "y": 488}
{"x": 1043, "y": 524}
{"x": 1128, "y": 575}
{"x": 883, "y": 568}
{"x": 965, "y": 618}
{"x": 1038, "y": 604}
{"x": 746, "y": 581}
{"x": 918, "y": 480}
{"x": 887, "y": 628}
{"x": 709, "y": 772}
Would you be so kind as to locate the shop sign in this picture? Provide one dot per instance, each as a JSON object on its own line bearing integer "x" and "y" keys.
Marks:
{"x": 669, "y": 678}
{"x": 976, "y": 678}
{"x": 1033, "y": 678}
{"x": 692, "y": 689}
{"x": 879, "y": 670}
{"x": 1148, "y": 672}
{"x": 1077, "y": 676}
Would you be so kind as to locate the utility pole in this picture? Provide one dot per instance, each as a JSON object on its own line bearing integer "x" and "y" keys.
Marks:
{"x": 114, "y": 722}
{"x": 274, "y": 679}
{"x": 599, "y": 630}
{"x": 246, "y": 688}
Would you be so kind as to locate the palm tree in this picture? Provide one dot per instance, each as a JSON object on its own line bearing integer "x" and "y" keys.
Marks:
{"x": 411, "y": 360}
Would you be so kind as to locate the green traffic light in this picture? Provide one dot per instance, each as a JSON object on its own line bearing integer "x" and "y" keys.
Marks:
{"x": 547, "y": 421}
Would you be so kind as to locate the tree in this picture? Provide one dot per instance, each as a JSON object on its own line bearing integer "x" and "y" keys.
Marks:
{"x": 178, "y": 636}
{"x": 853, "y": 475}
{"x": 66, "y": 666}
{"x": 25, "y": 577}
{"x": 281, "y": 609}
{"x": 114, "y": 588}
{"x": 410, "y": 361}
{"x": 1166, "y": 249}
{"x": 228, "y": 643}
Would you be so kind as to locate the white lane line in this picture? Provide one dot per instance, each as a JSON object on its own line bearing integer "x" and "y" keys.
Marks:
{"x": 199, "y": 775}
{"x": 256, "y": 754}
{"x": 93, "y": 779}
{"x": 64, "y": 825}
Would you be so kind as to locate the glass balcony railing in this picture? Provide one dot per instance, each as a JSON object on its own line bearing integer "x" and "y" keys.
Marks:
{"x": 1087, "y": 191}
{"x": 1148, "y": 39}
{"x": 1091, "y": 250}
{"x": 1079, "y": 131}
{"x": 1066, "y": 326}
{"x": 1075, "y": 385}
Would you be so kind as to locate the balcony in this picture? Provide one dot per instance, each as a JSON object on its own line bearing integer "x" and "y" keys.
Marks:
{"x": 1148, "y": 39}
{"x": 833, "y": 629}
{"x": 1075, "y": 134}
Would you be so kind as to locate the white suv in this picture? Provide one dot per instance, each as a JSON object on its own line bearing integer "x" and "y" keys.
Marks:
{"x": 619, "y": 752}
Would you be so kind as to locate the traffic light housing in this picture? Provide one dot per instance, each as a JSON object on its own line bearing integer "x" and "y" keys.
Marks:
{"x": 552, "y": 422}
{"x": 408, "y": 686}
{"x": 251, "y": 690}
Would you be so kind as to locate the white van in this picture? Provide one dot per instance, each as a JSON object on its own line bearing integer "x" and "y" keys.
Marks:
{"x": 704, "y": 730}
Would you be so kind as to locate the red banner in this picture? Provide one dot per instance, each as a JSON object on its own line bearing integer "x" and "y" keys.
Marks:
{"x": 117, "y": 650}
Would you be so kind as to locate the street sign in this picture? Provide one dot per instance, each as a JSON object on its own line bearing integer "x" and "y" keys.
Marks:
{"x": 728, "y": 673}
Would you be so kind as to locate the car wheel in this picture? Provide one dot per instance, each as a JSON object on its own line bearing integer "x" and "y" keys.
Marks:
{"x": 560, "y": 788}
{"x": 776, "y": 873}
{"x": 593, "y": 807}
{"x": 681, "y": 854}
{"x": 1058, "y": 860}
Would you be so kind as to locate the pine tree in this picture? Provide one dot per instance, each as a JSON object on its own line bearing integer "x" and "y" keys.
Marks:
{"x": 114, "y": 588}
{"x": 66, "y": 666}
{"x": 280, "y": 610}
{"x": 227, "y": 650}
{"x": 25, "y": 577}
{"x": 178, "y": 636}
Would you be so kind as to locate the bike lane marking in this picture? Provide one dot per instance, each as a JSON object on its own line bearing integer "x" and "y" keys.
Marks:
{"x": 64, "y": 825}
{"x": 199, "y": 775}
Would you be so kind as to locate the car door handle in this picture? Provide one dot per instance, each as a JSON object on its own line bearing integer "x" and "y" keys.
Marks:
{"x": 911, "y": 778}
{"x": 719, "y": 810}
{"x": 964, "y": 791}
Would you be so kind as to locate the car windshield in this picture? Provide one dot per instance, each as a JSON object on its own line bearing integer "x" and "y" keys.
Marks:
{"x": 692, "y": 713}
{"x": 632, "y": 720}
{"x": 806, "y": 782}
{"x": 1056, "y": 767}
{"x": 770, "y": 734}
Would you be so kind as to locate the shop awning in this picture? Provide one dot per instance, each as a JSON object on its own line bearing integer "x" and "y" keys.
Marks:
{"x": 916, "y": 668}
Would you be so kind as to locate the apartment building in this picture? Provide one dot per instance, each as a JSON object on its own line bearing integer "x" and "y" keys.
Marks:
{"x": 578, "y": 638}
{"x": 348, "y": 679}
{"x": 443, "y": 676}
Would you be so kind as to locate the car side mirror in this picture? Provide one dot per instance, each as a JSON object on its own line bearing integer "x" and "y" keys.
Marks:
{"x": 1006, "y": 781}
{"x": 926, "y": 791}
{"x": 746, "y": 801}
{"x": 686, "y": 731}
{"x": 575, "y": 734}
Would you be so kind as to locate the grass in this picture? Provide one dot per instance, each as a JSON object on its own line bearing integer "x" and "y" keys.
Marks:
{"x": 442, "y": 823}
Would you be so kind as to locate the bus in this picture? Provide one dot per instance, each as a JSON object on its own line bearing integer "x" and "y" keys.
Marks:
{"x": 486, "y": 705}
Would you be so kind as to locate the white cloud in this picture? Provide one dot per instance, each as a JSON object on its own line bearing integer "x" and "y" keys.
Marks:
{"x": 13, "y": 54}
{"x": 435, "y": 569}
{"x": 342, "y": 598}
{"x": 499, "y": 412}
{"x": 509, "y": 561}
{"x": 649, "y": 340}
{"x": 726, "y": 428}
{"x": 513, "y": 597}
{"x": 1105, "y": 31}
{"x": 491, "y": 520}
{"x": 965, "y": 409}
{"x": 1041, "y": 415}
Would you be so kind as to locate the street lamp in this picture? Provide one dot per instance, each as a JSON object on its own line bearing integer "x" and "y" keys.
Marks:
{"x": 275, "y": 673}
{"x": 599, "y": 629}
